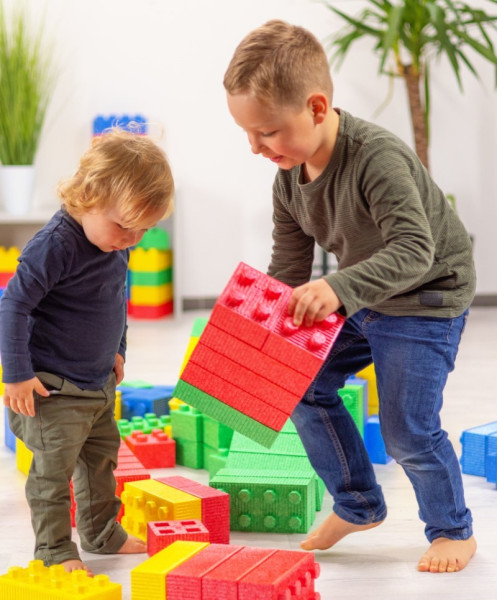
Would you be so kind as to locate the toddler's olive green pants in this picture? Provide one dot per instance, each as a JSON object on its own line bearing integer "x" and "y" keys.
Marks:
{"x": 72, "y": 435}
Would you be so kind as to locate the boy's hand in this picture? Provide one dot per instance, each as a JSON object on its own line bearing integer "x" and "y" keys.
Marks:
{"x": 19, "y": 396}
{"x": 119, "y": 368}
{"x": 313, "y": 301}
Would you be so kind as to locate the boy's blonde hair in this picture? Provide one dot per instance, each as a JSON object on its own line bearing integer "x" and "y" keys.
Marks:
{"x": 279, "y": 64}
{"x": 121, "y": 169}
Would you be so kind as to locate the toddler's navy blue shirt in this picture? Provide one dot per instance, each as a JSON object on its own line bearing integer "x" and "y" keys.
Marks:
{"x": 64, "y": 311}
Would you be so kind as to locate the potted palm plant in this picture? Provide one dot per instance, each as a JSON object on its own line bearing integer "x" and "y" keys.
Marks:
{"x": 26, "y": 84}
{"x": 408, "y": 35}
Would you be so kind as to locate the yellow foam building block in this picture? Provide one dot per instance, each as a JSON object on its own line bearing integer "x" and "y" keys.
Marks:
{"x": 8, "y": 259}
{"x": 118, "y": 405}
{"x": 24, "y": 456}
{"x": 192, "y": 342}
{"x": 148, "y": 580}
{"x": 150, "y": 261}
{"x": 38, "y": 582}
{"x": 369, "y": 374}
{"x": 175, "y": 403}
{"x": 151, "y": 295}
{"x": 151, "y": 500}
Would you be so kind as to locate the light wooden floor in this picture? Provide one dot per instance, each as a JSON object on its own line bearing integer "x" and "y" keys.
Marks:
{"x": 376, "y": 564}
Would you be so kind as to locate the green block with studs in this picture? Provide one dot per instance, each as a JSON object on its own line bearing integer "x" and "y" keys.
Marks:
{"x": 151, "y": 277}
{"x": 145, "y": 424}
{"x": 214, "y": 459}
{"x": 353, "y": 399}
{"x": 187, "y": 424}
{"x": 287, "y": 455}
{"x": 268, "y": 501}
{"x": 189, "y": 454}
{"x": 217, "y": 435}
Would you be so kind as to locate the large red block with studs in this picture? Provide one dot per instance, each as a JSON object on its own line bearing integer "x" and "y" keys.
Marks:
{"x": 251, "y": 356}
{"x": 154, "y": 450}
{"x": 161, "y": 534}
{"x": 215, "y": 506}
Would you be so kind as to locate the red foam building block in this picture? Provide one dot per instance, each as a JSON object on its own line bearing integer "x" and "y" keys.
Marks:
{"x": 5, "y": 278}
{"x": 215, "y": 506}
{"x": 284, "y": 574}
{"x": 248, "y": 356}
{"x": 251, "y": 356}
{"x": 247, "y": 380}
{"x": 185, "y": 582}
{"x": 234, "y": 396}
{"x": 161, "y": 534}
{"x": 150, "y": 312}
{"x": 154, "y": 450}
{"x": 241, "y": 327}
{"x": 221, "y": 583}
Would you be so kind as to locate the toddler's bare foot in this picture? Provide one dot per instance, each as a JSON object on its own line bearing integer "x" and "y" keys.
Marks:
{"x": 447, "y": 556}
{"x": 133, "y": 545}
{"x": 76, "y": 565}
{"x": 331, "y": 531}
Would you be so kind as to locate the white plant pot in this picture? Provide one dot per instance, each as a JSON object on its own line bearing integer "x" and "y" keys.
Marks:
{"x": 16, "y": 188}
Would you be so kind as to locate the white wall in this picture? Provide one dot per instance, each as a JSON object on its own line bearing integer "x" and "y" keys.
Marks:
{"x": 166, "y": 60}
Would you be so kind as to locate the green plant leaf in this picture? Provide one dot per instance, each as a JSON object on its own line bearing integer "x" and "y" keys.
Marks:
{"x": 26, "y": 83}
{"x": 417, "y": 31}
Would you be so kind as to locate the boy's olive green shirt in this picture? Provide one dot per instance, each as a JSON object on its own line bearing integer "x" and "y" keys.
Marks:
{"x": 401, "y": 248}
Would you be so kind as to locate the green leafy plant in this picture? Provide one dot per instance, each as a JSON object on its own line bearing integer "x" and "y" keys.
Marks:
{"x": 26, "y": 84}
{"x": 409, "y": 34}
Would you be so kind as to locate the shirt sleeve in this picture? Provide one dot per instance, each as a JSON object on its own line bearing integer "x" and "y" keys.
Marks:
{"x": 40, "y": 266}
{"x": 388, "y": 186}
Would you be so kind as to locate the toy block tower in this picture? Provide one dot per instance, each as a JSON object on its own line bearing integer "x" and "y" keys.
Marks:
{"x": 151, "y": 276}
{"x": 252, "y": 365}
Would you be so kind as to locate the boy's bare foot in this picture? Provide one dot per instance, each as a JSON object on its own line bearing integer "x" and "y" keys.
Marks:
{"x": 447, "y": 556}
{"x": 76, "y": 565}
{"x": 133, "y": 545}
{"x": 332, "y": 531}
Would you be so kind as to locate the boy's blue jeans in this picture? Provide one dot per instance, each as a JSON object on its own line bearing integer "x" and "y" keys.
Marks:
{"x": 413, "y": 357}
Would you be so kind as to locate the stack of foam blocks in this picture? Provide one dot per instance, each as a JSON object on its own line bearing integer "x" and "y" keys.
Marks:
{"x": 252, "y": 365}
{"x": 150, "y": 276}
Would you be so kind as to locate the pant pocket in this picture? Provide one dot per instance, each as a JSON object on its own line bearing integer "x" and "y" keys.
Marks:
{"x": 15, "y": 423}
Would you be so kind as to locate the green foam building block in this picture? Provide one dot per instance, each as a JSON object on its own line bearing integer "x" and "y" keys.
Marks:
{"x": 266, "y": 501}
{"x": 225, "y": 414}
{"x": 157, "y": 238}
{"x": 353, "y": 399}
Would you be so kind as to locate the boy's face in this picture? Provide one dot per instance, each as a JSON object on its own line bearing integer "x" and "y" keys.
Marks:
{"x": 285, "y": 135}
{"x": 108, "y": 231}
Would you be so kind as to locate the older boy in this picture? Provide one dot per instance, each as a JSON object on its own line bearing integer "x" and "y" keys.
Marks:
{"x": 405, "y": 280}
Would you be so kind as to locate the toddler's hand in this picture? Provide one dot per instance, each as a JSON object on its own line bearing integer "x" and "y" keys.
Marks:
{"x": 313, "y": 301}
{"x": 119, "y": 368}
{"x": 19, "y": 396}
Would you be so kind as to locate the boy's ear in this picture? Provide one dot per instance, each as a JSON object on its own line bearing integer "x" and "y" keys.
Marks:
{"x": 318, "y": 104}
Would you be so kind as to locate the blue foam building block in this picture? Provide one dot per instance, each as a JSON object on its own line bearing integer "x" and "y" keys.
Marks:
{"x": 474, "y": 443}
{"x": 491, "y": 467}
{"x": 136, "y": 402}
{"x": 9, "y": 437}
{"x": 374, "y": 442}
{"x": 103, "y": 124}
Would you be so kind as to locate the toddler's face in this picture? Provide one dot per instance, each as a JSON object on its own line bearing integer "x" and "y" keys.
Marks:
{"x": 285, "y": 135}
{"x": 108, "y": 231}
